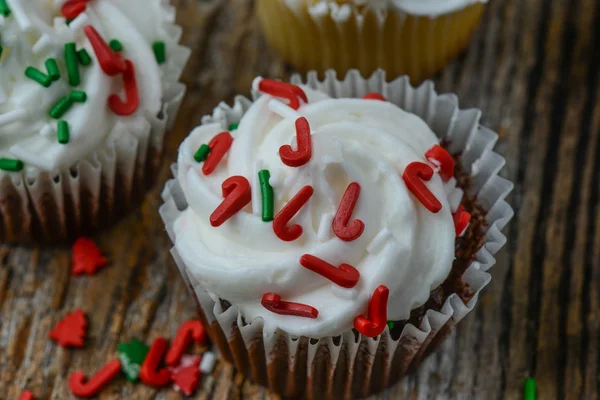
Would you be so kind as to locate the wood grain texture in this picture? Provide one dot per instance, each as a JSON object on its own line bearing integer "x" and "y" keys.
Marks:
{"x": 533, "y": 68}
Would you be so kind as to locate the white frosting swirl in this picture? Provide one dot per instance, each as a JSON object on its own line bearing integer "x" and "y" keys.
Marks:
{"x": 36, "y": 31}
{"x": 403, "y": 246}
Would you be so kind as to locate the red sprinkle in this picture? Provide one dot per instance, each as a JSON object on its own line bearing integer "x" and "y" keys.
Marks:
{"x": 132, "y": 102}
{"x": 150, "y": 373}
{"x": 81, "y": 388}
{"x": 237, "y": 194}
{"x": 374, "y": 96}
{"x": 26, "y": 395}
{"x": 186, "y": 361}
{"x": 443, "y": 159}
{"x": 284, "y": 216}
{"x": 273, "y": 303}
{"x": 112, "y": 63}
{"x": 71, "y": 330}
{"x": 461, "y": 220}
{"x": 86, "y": 258}
{"x": 301, "y": 156}
{"x": 190, "y": 330}
{"x": 71, "y": 9}
{"x": 340, "y": 224}
{"x": 345, "y": 276}
{"x": 186, "y": 380}
{"x": 377, "y": 318}
{"x": 219, "y": 146}
{"x": 283, "y": 90}
{"x": 414, "y": 175}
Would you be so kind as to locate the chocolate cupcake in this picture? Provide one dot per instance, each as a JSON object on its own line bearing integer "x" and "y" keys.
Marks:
{"x": 87, "y": 91}
{"x": 339, "y": 232}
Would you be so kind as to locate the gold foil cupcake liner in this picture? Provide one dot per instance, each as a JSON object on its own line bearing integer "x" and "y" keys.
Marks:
{"x": 351, "y": 365}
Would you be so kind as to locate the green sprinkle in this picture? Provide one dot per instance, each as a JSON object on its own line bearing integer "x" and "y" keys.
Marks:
{"x": 530, "y": 389}
{"x": 115, "y": 45}
{"x": 63, "y": 132}
{"x": 9, "y": 164}
{"x": 84, "y": 58}
{"x": 233, "y": 127}
{"x": 4, "y": 10}
{"x": 390, "y": 325}
{"x": 266, "y": 191}
{"x": 38, "y": 76}
{"x": 132, "y": 356}
{"x": 72, "y": 64}
{"x": 78, "y": 96}
{"x": 52, "y": 68}
{"x": 60, "y": 108}
{"x": 202, "y": 153}
{"x": 159, "y": 52}
{"x": 1, "y": 49}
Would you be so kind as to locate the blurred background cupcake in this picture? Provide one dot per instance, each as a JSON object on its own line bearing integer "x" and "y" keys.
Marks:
{"x": 87, "y": 91}
{"x": 413, "y": 37}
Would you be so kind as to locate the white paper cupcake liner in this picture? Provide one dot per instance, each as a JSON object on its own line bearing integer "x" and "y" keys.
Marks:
{"x": 43, "y": 206}
{"x": 352, "y": 365}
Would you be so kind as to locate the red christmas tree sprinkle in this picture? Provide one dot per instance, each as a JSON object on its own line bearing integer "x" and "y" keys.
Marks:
{"x": 86, "y": 258}
{"x": 26, "y": 395}
{"x": 185, "y": 361}
{"x": 71, "y": 330}
{"x": 186, "y": 380}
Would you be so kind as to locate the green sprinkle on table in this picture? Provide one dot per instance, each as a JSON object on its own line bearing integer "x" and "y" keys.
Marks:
{"x": 72, "y": 64}
{"x": 202, "y": 153}
{"x": 60, "y": 108}
{"x": 390, "y": 325}
{"x": 38, "y": 76}
{"x": 10, "y": 164}
{"x": 530, "y": 391}
{"x": 63, "y": 132}
{"x": 84, "y": 57}
{"x": 233, "y": 127}
{"x": 78, "y": 96}
{"x": 4, "y": 10}
{"x": 115, "y": 45}
{"x": 132, "y": 356}
{"x": 160, "y": 52}
{"x": 266, "y": 191}
{"x": 1, "y": 50}
{"x": 52, "y": 68}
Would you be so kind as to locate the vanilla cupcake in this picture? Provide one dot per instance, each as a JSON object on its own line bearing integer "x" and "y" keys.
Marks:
{"x": 413, "y": 37}
{"x": 333, "y": 233}
{"x": 87, "y": 91}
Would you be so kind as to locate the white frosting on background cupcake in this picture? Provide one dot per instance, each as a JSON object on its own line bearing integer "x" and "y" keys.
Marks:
{"x": 404, "y": 246}
{"x": 36, "y": 31}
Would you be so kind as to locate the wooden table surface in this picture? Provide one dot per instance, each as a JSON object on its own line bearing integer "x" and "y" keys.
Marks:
{"x": 533, "y": 68}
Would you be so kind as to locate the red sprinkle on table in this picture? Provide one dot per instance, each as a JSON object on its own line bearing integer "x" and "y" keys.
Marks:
{"x": 377, "y": 318}
{"x": 284, "y": 216}
{"x": 301, "y": 156}
{"x": 341, "y": 222}
{"x": 81, "y": 387}
{"x": 26, "y": 395}
{"x": 374, "y": 96}
{"x": 71, "y": 9}
{"x": 443, "y": 159}
{"x": 112, "y": 63}
{"x": 132, "y": 102}
{"x": 186, "y": 379}
{"x": 273, "y": 303}
{"x": 190, "y": 330}
{"x": 283, "y": 90}
{"x": 414, "y": 175}
{"x": 461, "y": 220}
{"x": 345, "y": 276}
{"x": 237, "y": 194}
{"x": 86, "y": 258}
{"x": 71, "y": 330}
{"x": 219, "y": 146}
{"x": 150, "y": 373}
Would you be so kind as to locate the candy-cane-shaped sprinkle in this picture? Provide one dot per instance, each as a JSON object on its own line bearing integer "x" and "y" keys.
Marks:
{"x": 111, "y": 63}
{"x": 282, "y": 90}
{"x": 324, "y": 231}
{"x": 150, "y": 373}
{"x": 81, "y": 387}
{"x": 189, "y": 331}
{"x": 301, "y": 156}
{"x": 132, "y": 102}
{"x": 267, "y": 195}
{"x": 26, "y": 395}
{"x": 441, "y": 158}
{"x": 376, "y": 321}
{"x": 284, "y": 111}
{"x": 374, "y": 96}
{"x": 284, "y": 216}
{"x": 378, "y": 241}
{"x": 345, "y": 275}
{"x": 219, "y": 146}
{"x": 414, "y": 175}
{"x": 341, "y": 223}
{"x": 273, "y": 303}
{"x": 237, "y": 194}
{"x": 461, "y": 220}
